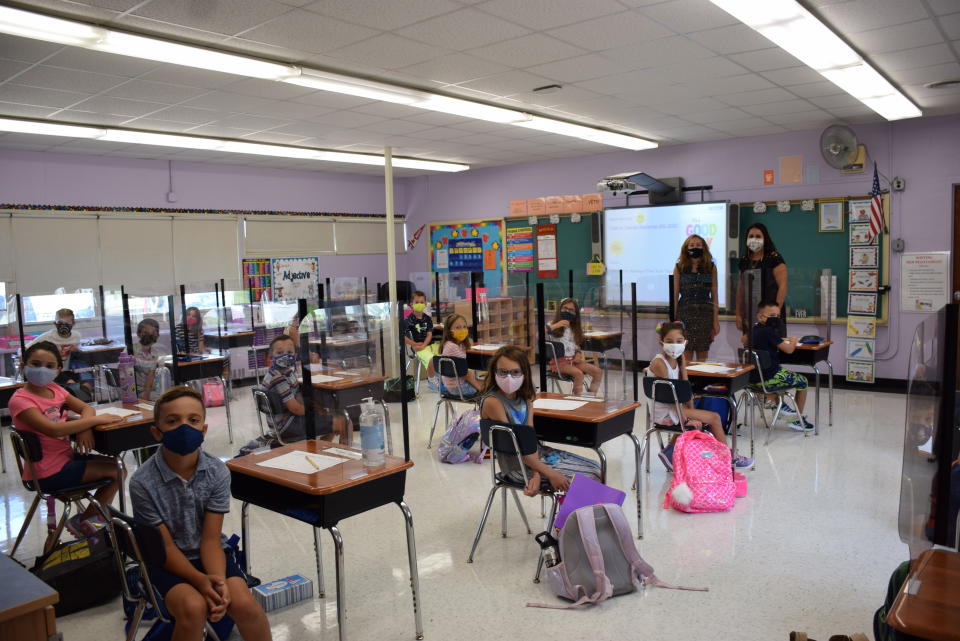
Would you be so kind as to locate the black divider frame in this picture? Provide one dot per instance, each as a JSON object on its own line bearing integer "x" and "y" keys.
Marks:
{"x": 253, "y": 324}
{"x": 436, "y": 294}
{"x": 749, "y": 314}
{"x": 306, "y": 388}
{"x": 221, "y": 315}
{"x": 404, "y": 376}
{"x": 526, "y": 307}
{"x": 127, "y": 329}
{"x": 569, "y": 283}
{"x": 671, "y": 306}
{"x": 474, "y": 325}
{"x": 541, "y": 339}
{"x": 633, "y": 349}
{"x": 621, "y": 301}
{"x": 173, "y": 335}
{"x": 103, "y": 313}
{"x": 23, "y": 345}
{"x": 183, "y": 320}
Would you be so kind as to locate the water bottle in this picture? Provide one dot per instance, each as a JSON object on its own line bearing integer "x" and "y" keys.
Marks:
{"x": 371, "y": 433}
{"x": 128, "y": 380}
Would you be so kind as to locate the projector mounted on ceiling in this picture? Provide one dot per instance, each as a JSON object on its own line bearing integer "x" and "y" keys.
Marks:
{"x": 661, "y": 191}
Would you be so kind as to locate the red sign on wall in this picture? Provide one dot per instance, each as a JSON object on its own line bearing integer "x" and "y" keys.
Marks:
{"x": 546, "y": 251}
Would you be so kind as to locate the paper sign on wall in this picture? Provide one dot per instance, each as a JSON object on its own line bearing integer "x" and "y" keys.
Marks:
{"x": 547, "y": 251}
{"x": 295, "y": 278}
{"x": 466, "y": 255}
{"x": 924, "y": 281}
{"x": 520, "y": 249}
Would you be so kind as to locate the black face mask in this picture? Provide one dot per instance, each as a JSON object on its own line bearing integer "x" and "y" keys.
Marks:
{"x": 695, "y": 252}
{"x": 772, "y": 322}
{"x": 63, "y": 329}
{"x": 148, "y": 339}
{"x": 567, "y": 316}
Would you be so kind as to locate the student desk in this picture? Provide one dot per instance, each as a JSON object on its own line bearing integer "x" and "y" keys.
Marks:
{"x": 194, "y": 367}
{"x": 734, "y": 380}
{"x": 601, "y": 342}
{"x": 928, "y": 605}
{"x": 230, "y": 338}
{"x": 7, "y": 387}
{"x": 478, "y": 356}
{"x": 322, "y": 499}
{"x": 92, "y": 357}
{"x": 342, "y": 348}
{"x": 115, "y": 439}
{"x": 810, "y": 356}
{"x": 26, "y": 604}
{"x": 349, "y": 392}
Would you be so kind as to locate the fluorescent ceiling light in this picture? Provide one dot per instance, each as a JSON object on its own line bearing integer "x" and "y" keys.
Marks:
{"x": 70, "y": 32}
{"x": 798, "y": 32}
{"x": 178, "y": 141}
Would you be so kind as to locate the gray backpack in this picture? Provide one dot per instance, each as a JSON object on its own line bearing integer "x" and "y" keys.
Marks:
{"x": 598, "y": 559}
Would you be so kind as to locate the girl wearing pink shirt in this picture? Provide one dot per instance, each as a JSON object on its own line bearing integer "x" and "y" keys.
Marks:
{"x": 40, "y": 407}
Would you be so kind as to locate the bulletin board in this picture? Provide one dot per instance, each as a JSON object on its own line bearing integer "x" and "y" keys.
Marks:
{"x": 470, "y": 246}
{"x": 806, "y": 251}
{"x": 574, "y": 251}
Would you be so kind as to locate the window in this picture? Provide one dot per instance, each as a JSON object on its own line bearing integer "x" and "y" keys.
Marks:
{"x": 43, "y": 308}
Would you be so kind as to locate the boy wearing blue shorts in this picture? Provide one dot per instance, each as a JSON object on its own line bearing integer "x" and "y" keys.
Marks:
{"x": 766, "y": 337}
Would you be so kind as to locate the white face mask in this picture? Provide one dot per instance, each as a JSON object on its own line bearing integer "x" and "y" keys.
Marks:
{"x": 754, "y": 244}
{"x": 674, "y": 350}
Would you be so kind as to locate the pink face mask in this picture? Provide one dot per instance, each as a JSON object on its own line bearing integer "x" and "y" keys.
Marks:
{"x": 509, "y": 384}
{"x": 192, "y": 320}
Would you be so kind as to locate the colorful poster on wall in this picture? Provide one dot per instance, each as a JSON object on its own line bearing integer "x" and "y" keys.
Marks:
{"x": 294, "y": 278}
{"x": 466, "y": 247}
{"x": 546, "y": 251}
{"x": 520, "y": 249}
{"x": 466, "y": 255}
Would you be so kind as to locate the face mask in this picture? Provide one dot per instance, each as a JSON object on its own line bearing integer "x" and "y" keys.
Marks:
{"x": 460, "y": 335}
{"x": 674, "y": 350}
{"x": 40, "y": 376}
{"x": 182, "y": 440}
{"x": 772, "y": 322}
{"x": 419, "y": 307}
{"x": 63, "y": 329}
{"x": 568, "y": 316}
{"x": 285, "y": 361}
{"x": 192, "y": 320}
{"x": 509, "y": 384}
{"x": 695, "y": 252}
{"x": 754, "y": 244}
{"x": 148, "y": 339}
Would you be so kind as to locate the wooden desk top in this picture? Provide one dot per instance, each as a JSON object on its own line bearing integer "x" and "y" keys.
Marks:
{"x": 145, "y": 419}
{"x": 333, "y": 479}
{"x": 814, "y": 346}
{"x": 486, "y": 349}
{"x": 229, "y": 333}
{"x": 932, "y": 611}
{"x": 590, "y": 412}
{"x": 739, "y": 369}
{"x": 7, "y": 383}
{"x": 20, "y": 591}
{"x": 347, "y": 381}
{"x": 92, "y": 349}
{"x": 168, "y": 359}
{"x": 602, "y": 334}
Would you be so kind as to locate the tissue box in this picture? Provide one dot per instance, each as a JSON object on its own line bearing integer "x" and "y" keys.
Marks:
{"x": 282, "y": 592}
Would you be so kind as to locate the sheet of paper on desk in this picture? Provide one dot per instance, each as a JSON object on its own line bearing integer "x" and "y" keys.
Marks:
{"x": 487, "y": 348}
{"x": 323, "y": 378}
{"x": 298, "y": 461}
{"x": 556, "y": 404}
{"x": 145, "y": 406}
{"x": 710, "y": 369}
{"x": 118, "y": 411}
{"x": 589, "y": 399}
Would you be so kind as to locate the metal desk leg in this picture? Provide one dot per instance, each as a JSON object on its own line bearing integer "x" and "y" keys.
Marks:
{"x": 414, "y": 573}
{"x": 638, "y": 455}
{"x": 732, "y": 422}
{"x": 830, "y": 393}
{"x": 3, "y": 453}
{"x": 245, "y": 536}
{"x": 122, "y": 472}
{"x": 341, "y": 579}
{"x": 226, "y": 403}
{"x": 318, "y": 554}
{"x": 603, "y": 464}
{"x": 816, "y": 406}
{"x": 753, "y": 404}
{"x": 503, "y": 512}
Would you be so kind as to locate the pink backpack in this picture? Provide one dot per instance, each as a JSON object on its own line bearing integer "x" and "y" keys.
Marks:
{"x": 702, "y": 480}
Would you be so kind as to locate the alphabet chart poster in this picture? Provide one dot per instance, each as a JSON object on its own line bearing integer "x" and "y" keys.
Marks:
{"x": 469, "y": 247}
{"x": 296, "y": 277}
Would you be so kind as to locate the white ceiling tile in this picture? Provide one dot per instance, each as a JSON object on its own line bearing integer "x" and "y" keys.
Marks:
{"x": 731, "y": 84}
{"x": 814, "y": 89}
{"x": 304, "y": 129}
{"x": 89, "y": 117}
{"x": 632, "y": 83}
{"x": 688, "y": 132}
{"x": 24, "y": 111}
{"x": 792, "y": 76}
{"x": 685, "y": 106}
{"x": 155, "y": 91}
{"x": 762, "y": 130}
{"x": 576, "y": 69}
{"x": 540, "y": 15}
{"x": 895, "y": 38}
{"x": 12, "y": 92}
{"x": 225, "y": 101}
{"x": 68, "y": 79}
{"x": 291, "y": 110}
{"x": 276, "y": 138}
{"x": 566, "y": 95}
{"x": 108, "y": 63}
{"x": 382, "y": 15}
{"x": 611, "y": 31}
{"x": 862, "y": 15}
{"x": 839, "y": 100}
{"x": 646, "y": 54}
{"x": 943, "y": 7}
{"x": 732, "y": 39}
{"x": 454, "y": 68}
{"x": 435, "y": 118}
{"x": 133, "y": 22}
{"x": 784, "y": 107}
{"x": 244, "y": 121}
{"x": 716, "y": 115}
{"x": 177, "y": 75}
{"x": 526, "y": 51}
{"x": 218, "y": 130}
{"x": 348, "y": 119}
{"x": 462, "y": 30}
{"x": 190, "y": 115}
{"x": 25, "y": 49}
{"x": 227, "y": 18}
{"x": 441, "y": 133}
{"x": 756, "y": 97}
{"x": 685, "y": 16}
{"x": 852, "y": 111}
{"x": 694, "y": 70}
{"x": 308, "y": 31}
{"x": 154, "y": 124}
{"x": 814, "y": 116}
{"x": 331, "y": 100}
{"x": 509, "y": 83}
{"x": 933, "y": 73}
{"x": 913, "y": 58}
{"x": 951, "y": 25}
{"x": 118, "y": 106}
{"x": 10, "y": 68}
{"x": 267, "y": 89}
{"x": 765, "y": 59}
{"x": 387, "y": 51}
{"x": 396, "y": 127}
{"x": 389, "y": 110}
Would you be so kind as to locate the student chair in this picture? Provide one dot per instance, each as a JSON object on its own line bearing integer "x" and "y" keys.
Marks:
{"x": 663, "y": 390}
{"x": 137, "y": 546}
{"x": 757, "y": 391}
{"x": 451, "y": 367}
{"x": 413, "y": 359}
{"x": 27, "y": 451}
{"x": 508, "y": 473}
{"x": 266, "y": 410}
{"x": 554, "y": 352}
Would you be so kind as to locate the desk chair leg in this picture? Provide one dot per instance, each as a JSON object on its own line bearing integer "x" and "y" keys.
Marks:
{"x": 553, "y": 515}
{"x": 483, "y": 522}
{"x": 503, "y": 512}
{"x": 226, "y": 403}
{"x": 3, "y": 453}
{"x": 830, "y": 396}
{"x": 341, "y": 580}
{"x": 603, "y": 464}
{"x": 523, "y": 514}
{"x": 638, "y": 454}
{"x": 414, "y": 573}
{"x": 436, "y": 415}
{"x": 26, "y": 524}
{"x": 816, "y": 403}
{"x": 245, "y": 536}
{"x": 543, "y": 507}
{"x": 122, "y": 474}
{"x": 318, "y": 555}
{"x": 647, "y": 439}
{"x": 52, "y": 538}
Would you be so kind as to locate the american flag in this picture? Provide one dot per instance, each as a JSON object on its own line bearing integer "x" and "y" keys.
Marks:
{"x": 876, "y": 206}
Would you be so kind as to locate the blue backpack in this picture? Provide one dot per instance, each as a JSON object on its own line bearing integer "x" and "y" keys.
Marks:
{"x": 718, "y": 405}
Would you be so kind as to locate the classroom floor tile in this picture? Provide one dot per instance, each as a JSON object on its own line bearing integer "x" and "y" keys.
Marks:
{"x": 810, "y": 548}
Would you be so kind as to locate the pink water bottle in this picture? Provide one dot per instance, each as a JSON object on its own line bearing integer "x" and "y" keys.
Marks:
{"x": 128, "y": 381}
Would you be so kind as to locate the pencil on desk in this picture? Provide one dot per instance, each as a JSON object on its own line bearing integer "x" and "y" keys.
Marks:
{"x": 312, "y": 462}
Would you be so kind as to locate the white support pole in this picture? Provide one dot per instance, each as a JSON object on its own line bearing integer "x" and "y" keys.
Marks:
{"x": 393, "y": 334}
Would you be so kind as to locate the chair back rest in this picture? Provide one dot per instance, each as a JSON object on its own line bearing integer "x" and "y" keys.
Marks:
{"x": 509, "y": 442}
{"x": 450, "y": 366}
{"x": 140, "y": 542}
{"x": 760, "y": 359}
{"x": 26, "y": 450}
{"x": 268, "y": 405}
{"x": 555, "y": 349}
{"x": 667, "y": 390}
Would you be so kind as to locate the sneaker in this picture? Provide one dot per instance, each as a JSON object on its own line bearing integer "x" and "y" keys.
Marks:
{"x": 666, "y": 457}
{"x": 788, "y": 412}
{"x": 742, "y": 461}
{"x": 801, "y": 424}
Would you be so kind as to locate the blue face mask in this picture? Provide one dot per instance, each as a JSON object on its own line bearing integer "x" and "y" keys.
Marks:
{"x": 40, "y": 376}
{"x": 285, "y": 361}
{"x": 182, "y": 440}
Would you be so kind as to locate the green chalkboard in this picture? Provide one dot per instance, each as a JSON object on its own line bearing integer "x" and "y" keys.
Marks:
{"x": 574, "y": 252}
{"x": 806, "y": 251}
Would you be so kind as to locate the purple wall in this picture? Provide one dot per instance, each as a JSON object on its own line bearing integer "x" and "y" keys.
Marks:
{"x": 924, "y": 152}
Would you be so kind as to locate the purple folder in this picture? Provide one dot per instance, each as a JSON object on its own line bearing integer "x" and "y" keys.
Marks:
{"x": 585, "y": 491}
